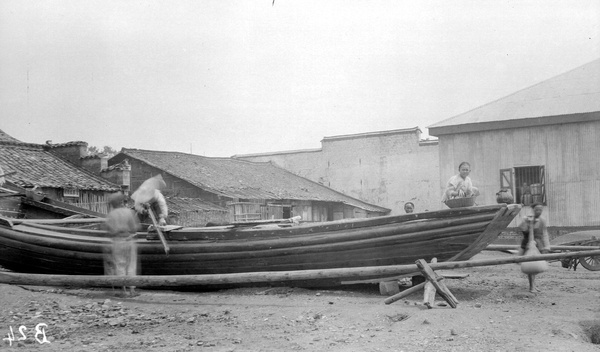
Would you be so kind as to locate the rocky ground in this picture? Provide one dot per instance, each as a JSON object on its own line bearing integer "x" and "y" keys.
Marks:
{"x": 496, "y": 312}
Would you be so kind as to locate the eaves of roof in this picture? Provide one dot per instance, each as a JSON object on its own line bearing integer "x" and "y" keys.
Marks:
{"x": 300, "y": 151}
{"x": 371, "y": 134}
{"x": 571, "y": 97}
{"x": 179, "y": 204}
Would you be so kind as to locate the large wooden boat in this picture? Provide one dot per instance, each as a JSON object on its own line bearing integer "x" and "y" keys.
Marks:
{"x": 50, "y": 247}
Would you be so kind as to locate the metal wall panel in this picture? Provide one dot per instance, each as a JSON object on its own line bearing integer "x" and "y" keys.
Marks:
{"x": 569, "y": 152}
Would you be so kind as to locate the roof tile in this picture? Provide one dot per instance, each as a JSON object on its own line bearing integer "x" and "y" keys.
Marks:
{"x": 35, "y": 166}
{"x": 236, "y": 178}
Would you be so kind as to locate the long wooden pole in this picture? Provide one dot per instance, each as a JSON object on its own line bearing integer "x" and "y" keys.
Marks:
{"x": 56, "y": 221}
{"x": 339, "y": 274}
{"x": 505, "y": 247}
{"x": 163, "y": 240}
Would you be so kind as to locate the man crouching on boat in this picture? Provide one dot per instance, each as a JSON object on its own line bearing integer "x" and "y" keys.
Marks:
{"x": 121, "y": 225}
{"x": 148, "y": 198}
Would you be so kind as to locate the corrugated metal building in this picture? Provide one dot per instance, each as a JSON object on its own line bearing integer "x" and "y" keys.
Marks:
{"x": 546, "y": 136}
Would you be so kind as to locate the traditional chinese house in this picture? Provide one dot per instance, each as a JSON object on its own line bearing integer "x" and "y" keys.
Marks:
{"x": 44, "y": 181}
{"x": 247, "y": 190}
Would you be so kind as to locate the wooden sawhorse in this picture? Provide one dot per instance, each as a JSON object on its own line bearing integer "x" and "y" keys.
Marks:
{"x": 434, "y": 283}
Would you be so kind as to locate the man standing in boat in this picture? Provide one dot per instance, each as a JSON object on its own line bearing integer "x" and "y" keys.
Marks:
{"x": 147, "y": 198}
{"x": 121, "y": 225}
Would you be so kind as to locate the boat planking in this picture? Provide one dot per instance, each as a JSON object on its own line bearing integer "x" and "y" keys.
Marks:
{"x": 456, "y": 234}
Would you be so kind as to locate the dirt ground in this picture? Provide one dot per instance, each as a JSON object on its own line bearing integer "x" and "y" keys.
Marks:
{"x": 496, "y": 312}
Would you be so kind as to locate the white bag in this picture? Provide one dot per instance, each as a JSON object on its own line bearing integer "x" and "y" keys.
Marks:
{"x": 532, "y": 268}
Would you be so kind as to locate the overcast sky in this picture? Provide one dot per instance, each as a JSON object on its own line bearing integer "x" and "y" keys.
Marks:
{"x": 219, "y": 78}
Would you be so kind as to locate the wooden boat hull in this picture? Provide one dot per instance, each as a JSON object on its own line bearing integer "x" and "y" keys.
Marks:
{"x": 448, "y": 235}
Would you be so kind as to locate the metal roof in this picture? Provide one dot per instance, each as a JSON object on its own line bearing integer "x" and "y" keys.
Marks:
{"x": 371, "y": 134}
{"x": 236, "y": 178}
{"x": 573, "y": 96}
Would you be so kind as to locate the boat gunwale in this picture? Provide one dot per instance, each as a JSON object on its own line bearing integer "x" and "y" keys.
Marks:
{"x": 68, "y": 241}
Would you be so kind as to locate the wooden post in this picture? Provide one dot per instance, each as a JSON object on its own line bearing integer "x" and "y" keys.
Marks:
{"x": 160, "y": 234}
{"x": 435, "y": 279}
{"x": 405, "y": 293}
{"x": 429, "y": 291}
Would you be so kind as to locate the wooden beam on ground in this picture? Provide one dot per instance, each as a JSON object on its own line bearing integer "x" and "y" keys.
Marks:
{"x": 340, "y": 274}
{"x": 446, "y": 275}
{"x": 405, "y": 293}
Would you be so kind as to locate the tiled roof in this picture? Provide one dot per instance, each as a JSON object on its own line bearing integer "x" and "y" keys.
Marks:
{"x": 49, "y": 144}
{"x": 6, "y": 138}
{"x": 178, "y": 205}
{"x": 236, "y": 178}
{"x": 35, "y": 166}
{"x": 576, "y": 92}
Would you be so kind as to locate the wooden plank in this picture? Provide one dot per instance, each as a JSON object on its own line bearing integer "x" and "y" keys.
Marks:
{"x": 268, "y": 221}
{"x": 309, "y": 235}
{"x": 429, "y": 291}
{"x": 508, "y": 247}
{"x": 58, "y": 221}
{"x": 502, "y": 218}
{"x": 381, "y": 220}
{"x": 435, "y": 279}
{"x": 452, "y": 275}
{"x": 405, "y": 293}
{"x": 444, "y": 274}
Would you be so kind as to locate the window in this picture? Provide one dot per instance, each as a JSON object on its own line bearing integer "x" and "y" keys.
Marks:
{"x": 71, "y": 192}
{"x": 527, "y": 184}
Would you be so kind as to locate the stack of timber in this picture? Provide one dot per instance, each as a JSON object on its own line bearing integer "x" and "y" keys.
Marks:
{"x": 449, "y": 235}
